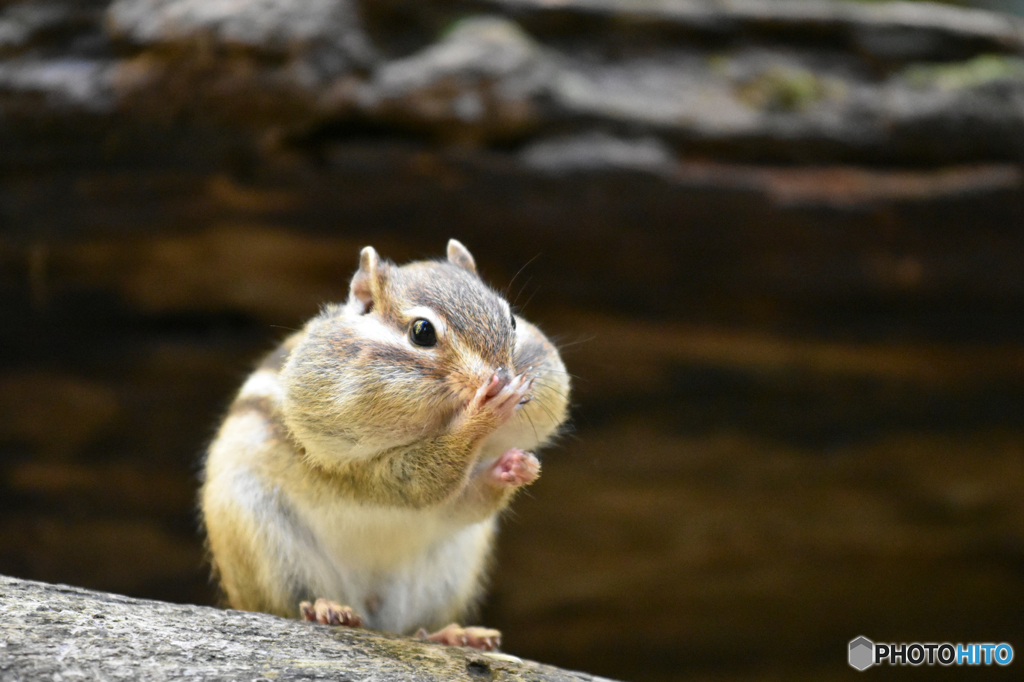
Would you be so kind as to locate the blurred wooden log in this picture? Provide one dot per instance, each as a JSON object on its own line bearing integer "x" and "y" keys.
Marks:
{"x": 56, "y": 631}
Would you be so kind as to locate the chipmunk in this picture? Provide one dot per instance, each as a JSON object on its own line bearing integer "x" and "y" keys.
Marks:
{"x": 358, "y": 475}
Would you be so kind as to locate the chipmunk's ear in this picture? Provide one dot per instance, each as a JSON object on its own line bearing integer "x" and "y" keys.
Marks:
{"x": 366, "y": 284}
{"x": 460, "y": 255}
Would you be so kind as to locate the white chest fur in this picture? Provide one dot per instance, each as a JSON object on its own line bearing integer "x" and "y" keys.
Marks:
{"x": 396, "y": 567}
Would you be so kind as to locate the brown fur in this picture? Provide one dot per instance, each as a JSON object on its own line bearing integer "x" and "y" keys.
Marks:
{"x": 349, "y": 415}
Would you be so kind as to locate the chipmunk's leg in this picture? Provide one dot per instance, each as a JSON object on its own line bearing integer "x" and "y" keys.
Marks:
{"x": 471, "y": 636}
{"x": 329, "y": 612}
{"x": 493, "y": 485}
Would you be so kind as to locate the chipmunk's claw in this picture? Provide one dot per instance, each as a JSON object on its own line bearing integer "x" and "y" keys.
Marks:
{"x": 328, "y": 612}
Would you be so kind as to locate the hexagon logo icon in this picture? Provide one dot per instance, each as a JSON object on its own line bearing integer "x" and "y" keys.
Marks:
{"x": 862, "y": 653}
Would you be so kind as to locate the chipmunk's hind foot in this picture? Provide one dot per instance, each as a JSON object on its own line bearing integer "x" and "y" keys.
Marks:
{"x": 327, "y": 612}
{"x": 456, "y": 635}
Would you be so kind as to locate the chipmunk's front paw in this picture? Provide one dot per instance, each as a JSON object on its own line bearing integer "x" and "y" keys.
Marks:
{"x": 328, "y": 612}
{"x": 456, "y": 635}
{"x": 515, "y": 468}
{"x": 502, "y": 395}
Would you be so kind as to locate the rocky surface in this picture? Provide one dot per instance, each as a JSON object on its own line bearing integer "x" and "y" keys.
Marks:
{"x": 778, "y": 241}
{"x": 58, "y": 632}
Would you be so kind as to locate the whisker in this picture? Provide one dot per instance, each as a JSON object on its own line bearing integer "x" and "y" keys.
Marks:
{"x": 523, "y": 307}
{"x": 520, "y": 293}
{"x": 551, "y": 415}
{"x": 569, "y": 344}
{"x": 518, "y": 272}
{"x": 532, "y": 424}
{"x": 542, "y": 381}
{"x": 562, "y": 371}
{"x": 554, "y": 390}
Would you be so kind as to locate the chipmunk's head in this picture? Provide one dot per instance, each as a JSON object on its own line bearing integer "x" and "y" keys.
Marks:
{"x": 405, "y": 353}
{"x": 441, "y": 320}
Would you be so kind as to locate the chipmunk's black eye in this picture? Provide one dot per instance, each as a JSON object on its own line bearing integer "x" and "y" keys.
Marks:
{"x": 422, "y": 333}
{"x": 513, "y": 322}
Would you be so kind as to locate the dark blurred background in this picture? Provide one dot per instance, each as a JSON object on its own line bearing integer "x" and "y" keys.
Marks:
{"x": 780, "y": 244}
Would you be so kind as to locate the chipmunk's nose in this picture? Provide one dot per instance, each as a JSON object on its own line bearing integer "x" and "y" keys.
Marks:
{"x": 498, "y": 381}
